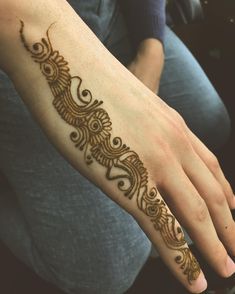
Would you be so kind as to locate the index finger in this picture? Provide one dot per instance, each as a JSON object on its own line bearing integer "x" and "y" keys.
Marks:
{"x": 167, "y": 235}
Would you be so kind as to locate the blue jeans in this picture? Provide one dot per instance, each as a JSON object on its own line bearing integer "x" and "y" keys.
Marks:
{"x": 59, "y": 223}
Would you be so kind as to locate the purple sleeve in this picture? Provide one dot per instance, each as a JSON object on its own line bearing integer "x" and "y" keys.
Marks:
{"x": 145, "y": 19}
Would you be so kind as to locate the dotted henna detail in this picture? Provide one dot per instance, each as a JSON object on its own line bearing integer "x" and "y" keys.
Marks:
{"x": 92, "y": 135}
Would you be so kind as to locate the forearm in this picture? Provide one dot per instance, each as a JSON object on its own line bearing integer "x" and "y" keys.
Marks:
{"x": 88, "y": 59}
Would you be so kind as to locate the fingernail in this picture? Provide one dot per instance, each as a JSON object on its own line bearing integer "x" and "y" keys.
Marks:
{"x": 230, "y": 266}
{"x": 200, "y": 284}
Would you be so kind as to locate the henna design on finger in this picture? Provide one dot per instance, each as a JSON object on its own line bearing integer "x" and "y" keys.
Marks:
{"x": 92, "y": 135}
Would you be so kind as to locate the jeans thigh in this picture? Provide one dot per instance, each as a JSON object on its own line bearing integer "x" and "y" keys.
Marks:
{"x": 185, "y": 87}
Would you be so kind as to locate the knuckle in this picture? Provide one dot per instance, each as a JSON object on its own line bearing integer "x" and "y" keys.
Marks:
{"x": 213, "y": 163}
{"x": 219, "y": 199}
{"x": 223, "y": 268}
{"x": 187, "y": 147}
{"x": 220, "y": 258}
{"x": 201, "y": 212}
{"x": 164, "y": 153}
{"x": 228, "y": 189}
{"x": 177, "y": 117}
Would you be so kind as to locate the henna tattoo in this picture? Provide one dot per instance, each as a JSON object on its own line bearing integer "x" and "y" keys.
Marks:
{"x": 92, "y": 135}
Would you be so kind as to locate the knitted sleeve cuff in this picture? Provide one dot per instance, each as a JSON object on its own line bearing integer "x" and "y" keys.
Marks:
{"x": 145, "y": 19}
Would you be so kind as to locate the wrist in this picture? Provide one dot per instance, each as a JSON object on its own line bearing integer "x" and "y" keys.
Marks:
{"x": 150, "y": 49}
{"x": 148, "y": 63}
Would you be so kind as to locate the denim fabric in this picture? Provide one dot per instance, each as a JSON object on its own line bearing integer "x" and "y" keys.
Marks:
{"x": 185, "y": 87}
{"x": 59, "y": 223}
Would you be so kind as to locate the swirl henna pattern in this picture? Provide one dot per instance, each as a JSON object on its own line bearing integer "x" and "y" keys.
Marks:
{"x": 92, "y": 135}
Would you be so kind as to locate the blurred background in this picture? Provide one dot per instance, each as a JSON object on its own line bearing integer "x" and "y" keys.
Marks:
{"x": 207, "y": 27}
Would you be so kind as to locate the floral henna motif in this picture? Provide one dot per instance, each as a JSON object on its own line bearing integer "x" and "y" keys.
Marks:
{"x": 92, "y": 135}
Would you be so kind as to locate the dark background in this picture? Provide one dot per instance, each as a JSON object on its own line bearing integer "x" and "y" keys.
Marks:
{"x": 212, "y": 41}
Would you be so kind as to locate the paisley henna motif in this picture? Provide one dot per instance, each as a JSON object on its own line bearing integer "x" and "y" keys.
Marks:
{"x": 92, "y": 134}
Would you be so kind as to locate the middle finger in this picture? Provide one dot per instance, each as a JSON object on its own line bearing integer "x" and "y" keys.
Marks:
{"x": 213, "y": 194}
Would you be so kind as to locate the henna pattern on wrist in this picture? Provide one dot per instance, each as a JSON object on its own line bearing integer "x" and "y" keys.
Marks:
{"x": 92, "y": 135}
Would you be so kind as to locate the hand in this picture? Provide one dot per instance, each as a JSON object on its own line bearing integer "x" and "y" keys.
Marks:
{"x": 148, "y": 63}
{"x": 190, "y": 181}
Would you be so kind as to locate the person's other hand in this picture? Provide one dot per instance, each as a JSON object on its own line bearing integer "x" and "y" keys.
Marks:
{"x": 148, "y": 63}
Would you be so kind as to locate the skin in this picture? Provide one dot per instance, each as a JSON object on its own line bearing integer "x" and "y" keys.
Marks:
{"x": 148, "y": 63}
{"x": 185, "y": 174}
